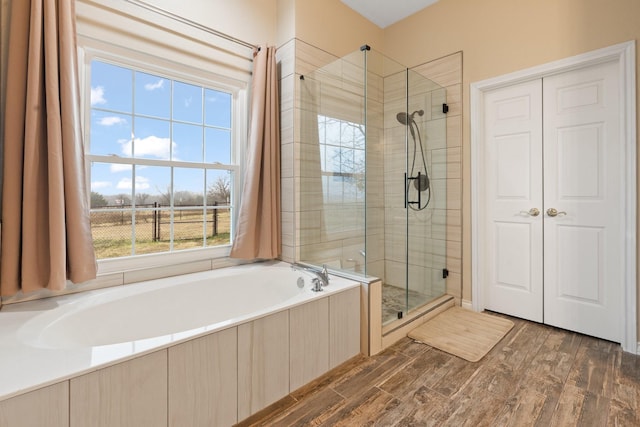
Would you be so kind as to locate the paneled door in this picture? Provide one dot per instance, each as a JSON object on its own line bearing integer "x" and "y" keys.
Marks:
{"x": 512, "y": 254}
{"x": 553, "y": 233}
{"x": 583, "y": 202}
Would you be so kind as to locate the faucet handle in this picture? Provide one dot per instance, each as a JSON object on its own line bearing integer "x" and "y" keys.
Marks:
{"x": 325, "y": 273}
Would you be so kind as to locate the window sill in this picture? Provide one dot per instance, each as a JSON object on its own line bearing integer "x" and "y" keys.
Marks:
{"x": 138, "y": 262}
{"x": 126, "y": 271}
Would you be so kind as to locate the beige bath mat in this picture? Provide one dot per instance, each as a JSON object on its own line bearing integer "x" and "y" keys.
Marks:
{"x": 463, "y": 332}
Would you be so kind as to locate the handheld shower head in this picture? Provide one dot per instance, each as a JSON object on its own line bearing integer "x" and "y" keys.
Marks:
{"x": 403, "y": 118}
{"x": 406, "y": 119}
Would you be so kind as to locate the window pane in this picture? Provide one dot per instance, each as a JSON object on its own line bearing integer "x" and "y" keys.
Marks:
{"x": 154, "y": 181}
{"x": 332, "y": 131}
{"x": 188, "y": 187}
{"x": 153, "y": 231}
{"x": 152, "y": 95}
{"x": 188, "y": 228}
{"x": 111, "y": 87}
{"x": 218, "y": 187}
{"x": 111, "y": 228}
{"x": 152, "y": 139}
{"x": 110, "y": 133}
{"x": 218, "y": 146}
{"x": 107, "y": 180}
{"x": 217, "y": 108}
{"x": 187, "y": 102}
{"x": 147, "y": 227}
{"x": 187, "y": 143}
{"x": 346, "y": 137}
{"x": 333, "y": 159}
{"x": 218, "y": 227}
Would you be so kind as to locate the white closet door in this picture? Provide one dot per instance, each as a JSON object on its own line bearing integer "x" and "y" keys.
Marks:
{"x": 583, "y": 182}
{"x": 511, "y": 238}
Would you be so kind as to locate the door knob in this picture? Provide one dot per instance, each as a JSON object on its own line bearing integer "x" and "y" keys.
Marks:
{"x": 554, "y": 212}
{"x": 531, "y": 212}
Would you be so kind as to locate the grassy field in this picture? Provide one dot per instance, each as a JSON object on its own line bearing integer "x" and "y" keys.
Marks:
{"x": 113, "y": 231}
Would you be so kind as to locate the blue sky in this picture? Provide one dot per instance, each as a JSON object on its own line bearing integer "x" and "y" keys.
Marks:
{"x": 131, "y": 114}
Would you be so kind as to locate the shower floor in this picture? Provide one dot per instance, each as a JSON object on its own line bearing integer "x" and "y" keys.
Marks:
{"x": 394, "y": 300}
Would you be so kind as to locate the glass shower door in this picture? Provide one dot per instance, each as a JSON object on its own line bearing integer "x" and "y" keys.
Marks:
{"x": 372, "y": 173}
{"x": 426, "y": 189}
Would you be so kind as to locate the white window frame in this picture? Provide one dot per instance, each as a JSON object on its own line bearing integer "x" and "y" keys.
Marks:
{"x": 90, "y": 50}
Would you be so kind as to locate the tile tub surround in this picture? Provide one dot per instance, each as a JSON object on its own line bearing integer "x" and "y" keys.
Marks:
{"x": 30, "y": 366}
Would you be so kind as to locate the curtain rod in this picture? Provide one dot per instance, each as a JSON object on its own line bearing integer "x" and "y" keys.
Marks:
{"x": 194, "y": 24}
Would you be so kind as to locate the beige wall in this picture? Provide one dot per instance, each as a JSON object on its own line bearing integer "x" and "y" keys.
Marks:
{"x": 254, "y": 21}
{"x": 332, "y": 26}
{"x": 286, "y": 21}
{"x": 502, "y": 36}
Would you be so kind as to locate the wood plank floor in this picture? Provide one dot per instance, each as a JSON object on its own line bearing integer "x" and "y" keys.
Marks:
{"x": 536, "y": 376}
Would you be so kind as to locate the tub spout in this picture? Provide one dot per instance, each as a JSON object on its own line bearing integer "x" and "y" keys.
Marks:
{"x": 321, "y": 276}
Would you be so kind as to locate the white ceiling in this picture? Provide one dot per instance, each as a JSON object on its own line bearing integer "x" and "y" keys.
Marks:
{"x": 386, "y": 12}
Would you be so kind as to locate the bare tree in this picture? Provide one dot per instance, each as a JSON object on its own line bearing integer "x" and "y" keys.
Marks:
{"x": 164, "y": 196}
{"x": 187, "y": 198}
{"x": 219, "y": 191}
{"x": 141, "y": 198}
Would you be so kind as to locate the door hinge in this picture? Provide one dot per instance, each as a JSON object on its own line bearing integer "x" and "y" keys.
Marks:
{"x": 445, "y": 273}
{"x": 445, "y": 108}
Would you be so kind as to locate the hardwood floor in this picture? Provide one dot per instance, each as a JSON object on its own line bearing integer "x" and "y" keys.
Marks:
{"x": 536, "y": 376}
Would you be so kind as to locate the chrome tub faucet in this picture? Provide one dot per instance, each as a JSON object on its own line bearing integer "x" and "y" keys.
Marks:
{"x": 321, "y": 276}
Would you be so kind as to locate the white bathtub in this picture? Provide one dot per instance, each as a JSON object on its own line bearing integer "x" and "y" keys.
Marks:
{"x": 46, "y": 341}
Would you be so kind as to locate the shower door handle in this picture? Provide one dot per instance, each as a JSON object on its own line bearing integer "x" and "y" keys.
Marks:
{"x": 406, "y": 190}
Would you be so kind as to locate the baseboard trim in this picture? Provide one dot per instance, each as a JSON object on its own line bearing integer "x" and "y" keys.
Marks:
{"x": 469, "y": 305}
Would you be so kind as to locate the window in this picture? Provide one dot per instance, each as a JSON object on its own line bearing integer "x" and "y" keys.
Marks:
{"x": 162, "y": 161}
{"x": 342, "y": 157}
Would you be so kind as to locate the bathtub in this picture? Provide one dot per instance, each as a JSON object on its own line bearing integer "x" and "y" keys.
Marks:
{"x": 53, "y": 340}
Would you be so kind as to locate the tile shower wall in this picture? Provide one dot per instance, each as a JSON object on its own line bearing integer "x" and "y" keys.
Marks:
{"x": 301, "y": 216}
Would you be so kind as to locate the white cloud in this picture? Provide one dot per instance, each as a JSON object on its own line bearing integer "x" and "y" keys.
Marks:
{"x": 98, "y": 185}
{"x": 142, "y": 183}
{"x": 112, "y": 120}
{"x": 153, "y": 86}
{"x": 97, "y": 96}
{"x": 118, "y": 167}
{"x": 151, "y": 146}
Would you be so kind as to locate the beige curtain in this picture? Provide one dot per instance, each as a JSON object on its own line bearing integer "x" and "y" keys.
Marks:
{"x": 46, "y": 235}
{"x": 258, "y": 231}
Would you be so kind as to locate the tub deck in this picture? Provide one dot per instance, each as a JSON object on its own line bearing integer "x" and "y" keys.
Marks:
{"x": 36, "y": 351}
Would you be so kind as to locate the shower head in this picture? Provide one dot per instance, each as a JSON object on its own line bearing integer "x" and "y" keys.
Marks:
{"x": 406, "y": 119}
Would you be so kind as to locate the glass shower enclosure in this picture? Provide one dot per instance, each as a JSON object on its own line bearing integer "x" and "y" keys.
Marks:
{"x": 373, "y": 160}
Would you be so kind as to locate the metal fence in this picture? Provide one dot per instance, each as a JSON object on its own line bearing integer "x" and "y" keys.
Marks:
{"x": 118, "y": 226}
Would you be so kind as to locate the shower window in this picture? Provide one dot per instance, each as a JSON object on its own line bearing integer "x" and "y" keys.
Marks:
{"x": 161, "y": 160}
{"x": 342, "y": 163}
{"x": 342, "y": 159}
